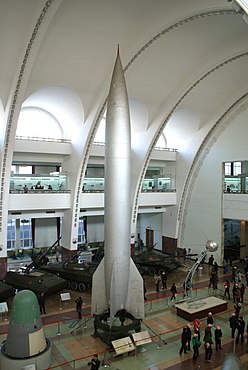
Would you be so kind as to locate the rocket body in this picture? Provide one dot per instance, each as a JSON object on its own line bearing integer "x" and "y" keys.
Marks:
{"x": 117, "y": 284}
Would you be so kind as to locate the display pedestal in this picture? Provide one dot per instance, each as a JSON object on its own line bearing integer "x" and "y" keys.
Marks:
{"x": 199, "y": 309}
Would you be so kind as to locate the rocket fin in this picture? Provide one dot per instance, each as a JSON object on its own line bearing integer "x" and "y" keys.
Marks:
{"x": 99, "y": 302}
{"x": 135, "y": 298}
{"x": 130, "y": 298}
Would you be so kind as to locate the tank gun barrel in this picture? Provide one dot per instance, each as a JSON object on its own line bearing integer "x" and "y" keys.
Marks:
{"x": 39, "y": 258}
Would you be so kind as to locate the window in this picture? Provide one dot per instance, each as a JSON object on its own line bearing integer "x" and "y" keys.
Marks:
{"x": 21, "y": 170}
{"x": 26, "y": 234}
{"x": 233, "y": 168}
{"x": 237, "y": 168}
{"x": 11, "y": 234}
{"x": 81, "y": 231}
{"x": 228, "y": 168}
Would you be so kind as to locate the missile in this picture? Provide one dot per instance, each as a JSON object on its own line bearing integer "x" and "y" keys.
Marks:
{"x": 231, "y": 362}
{"x": 117, "y": 283}
{"x": 26, "y": 343}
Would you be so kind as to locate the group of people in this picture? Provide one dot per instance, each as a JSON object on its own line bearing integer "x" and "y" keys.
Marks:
{"x": 38, "y": 186}
{"x": 161, "y": 279}
{"x": 210, "y": 337}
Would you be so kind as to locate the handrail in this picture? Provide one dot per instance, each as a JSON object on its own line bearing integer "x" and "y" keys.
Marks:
{"x": 47, "y": 139}
{"x": 39, "y": 191}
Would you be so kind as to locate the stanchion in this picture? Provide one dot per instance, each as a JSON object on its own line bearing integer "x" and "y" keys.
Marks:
{"x": 85, "y": 326}
{"x": 150, "y": 309}
{"x": 166, "y": 302}
{"x": 58, "y": 332}
{"x": 159, "y": 346}
{"x": 104, "y": 362}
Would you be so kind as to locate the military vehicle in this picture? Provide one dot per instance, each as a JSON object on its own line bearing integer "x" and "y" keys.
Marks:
{"x": 6, "y": 291}
{"x": 154, "y": 262}
{"x": 78, "y": 275}
{"x": 35, "y": 280}
{"x": 29, "y": 277}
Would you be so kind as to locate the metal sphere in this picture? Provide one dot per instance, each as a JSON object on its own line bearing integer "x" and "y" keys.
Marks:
{"x": 211, "y": 246}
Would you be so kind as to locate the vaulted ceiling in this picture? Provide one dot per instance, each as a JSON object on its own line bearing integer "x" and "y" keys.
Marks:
{"x": 178, "y": 55}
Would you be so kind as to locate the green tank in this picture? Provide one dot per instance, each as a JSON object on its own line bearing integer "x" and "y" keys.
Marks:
{"x": 6, "y": 291}
{"x": 154, "y": 262}
{"x": 36, "y": 280}
{"x": 77, "y": 275}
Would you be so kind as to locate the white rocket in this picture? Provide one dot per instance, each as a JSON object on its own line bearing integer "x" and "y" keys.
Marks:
{"x": 117, "y": 283}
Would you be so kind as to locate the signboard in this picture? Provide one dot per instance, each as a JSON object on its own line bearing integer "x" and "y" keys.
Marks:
{"x": 141, "y": 338}
{"x": 3, "y": 307}
{"x": 29, "y": 367}
{"x": 65, "y": 296}
{"x": 123, "y": 345}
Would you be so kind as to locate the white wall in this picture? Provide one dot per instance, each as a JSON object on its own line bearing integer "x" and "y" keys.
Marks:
{"x": 45, "y": 232}
{"x": 204, "y": 210}
{"x": 95, "y": 228}
{"x": 154, "y": 221}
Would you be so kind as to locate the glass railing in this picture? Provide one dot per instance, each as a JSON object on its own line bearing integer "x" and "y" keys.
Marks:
{"x": 38, "y": 183}
{"x": 58, "y": 183}
{"x": 236, "y": 184}
{"x": 161, "y": 184}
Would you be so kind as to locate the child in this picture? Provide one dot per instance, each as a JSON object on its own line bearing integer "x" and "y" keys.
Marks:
{"x": 208, "y": 351}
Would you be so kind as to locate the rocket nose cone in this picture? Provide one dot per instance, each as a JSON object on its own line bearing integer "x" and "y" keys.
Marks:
{"x": 25, "y": 308}
{"x": 25, "y": 333}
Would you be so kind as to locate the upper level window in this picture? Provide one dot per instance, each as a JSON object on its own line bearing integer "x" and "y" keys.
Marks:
{"x": 228, "y": 168}
{"x": 36, "y": 122}
{"x": 21, "y": 170}
{"x": 233, "y": 168}
{"x": 237, "y": 170}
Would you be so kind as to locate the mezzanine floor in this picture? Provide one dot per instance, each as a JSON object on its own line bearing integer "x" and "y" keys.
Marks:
{"x": 73, "y": 344}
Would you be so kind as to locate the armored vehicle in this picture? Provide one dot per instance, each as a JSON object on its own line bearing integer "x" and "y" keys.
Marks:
{"x": 30, "y": 277}
{"x": 77, "y": 275}
{"x": 35, "y": 280}
{"x": 6, "y": 291}
{"x": 154, "y": 262}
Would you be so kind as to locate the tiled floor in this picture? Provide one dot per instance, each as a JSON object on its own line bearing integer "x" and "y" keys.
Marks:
{"x": 73, "y": 344}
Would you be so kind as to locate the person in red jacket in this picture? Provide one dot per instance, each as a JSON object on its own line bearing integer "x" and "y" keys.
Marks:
{"x": 227, "y": 289}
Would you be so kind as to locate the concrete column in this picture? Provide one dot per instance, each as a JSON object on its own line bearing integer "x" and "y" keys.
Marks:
{"x": 3, "y": 267}
{"x": 18, "y": 240}
{"x": 243, "y": 239}
{"x": 67, "y": 254}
